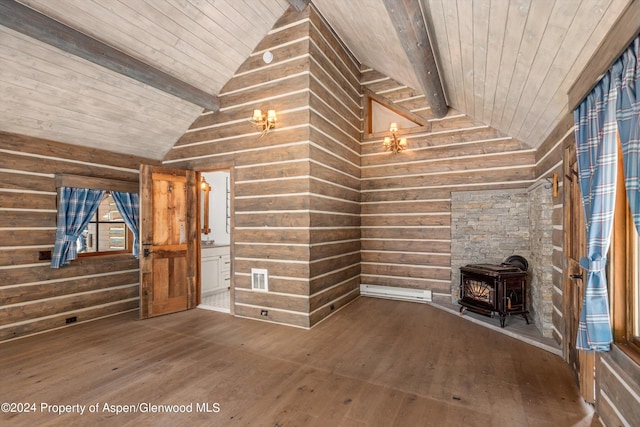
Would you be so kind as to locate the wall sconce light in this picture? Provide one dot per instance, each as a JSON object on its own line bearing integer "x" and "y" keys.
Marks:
{"x": 205, "y": 188}
{"x": 267, "y": 122}
{"x": 392, "y": 143}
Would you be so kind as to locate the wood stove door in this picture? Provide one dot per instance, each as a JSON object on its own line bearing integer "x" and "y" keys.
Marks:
{"x": 582, "y": 362}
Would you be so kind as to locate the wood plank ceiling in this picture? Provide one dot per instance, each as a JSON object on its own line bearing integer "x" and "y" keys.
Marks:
{"x": 509, "y": 63}
{"x": 51, "y": 94}
{"x": 506, "y": 63}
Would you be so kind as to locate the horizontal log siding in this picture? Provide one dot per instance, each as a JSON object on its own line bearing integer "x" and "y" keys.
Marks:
{"x": 406, "y": 198}
{"x": 617, "y": 388}
{"x": 271, "y": 184}
{"x": 34, "y": 297}
{"x": 336, "y": 121}
{"x": 549, "y": 160}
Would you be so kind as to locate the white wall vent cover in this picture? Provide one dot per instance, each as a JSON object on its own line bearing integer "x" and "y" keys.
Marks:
{"x": 405, "y": 294}
{"x": 259, "y": 279}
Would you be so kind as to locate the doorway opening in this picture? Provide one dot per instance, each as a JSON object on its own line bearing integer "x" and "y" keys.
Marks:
{"x": 215, "y": 241}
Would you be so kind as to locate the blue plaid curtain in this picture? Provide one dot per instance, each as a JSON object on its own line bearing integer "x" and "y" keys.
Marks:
{"x": 626, "y": 72}
{"x": 76, "y": 206}
{"x": 128, "y": 205}
{"x": 611, "y": 109}
{"x": 596, "y": 142}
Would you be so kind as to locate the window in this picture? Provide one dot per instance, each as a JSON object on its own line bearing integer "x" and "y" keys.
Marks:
{"x": 106, "y": 232}
{"x": 96, "y": 216}
{"x": 624, "y": 273}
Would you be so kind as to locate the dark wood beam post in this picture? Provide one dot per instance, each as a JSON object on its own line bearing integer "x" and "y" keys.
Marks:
{"x": 31, "y": 23}
{"x": 409, "y": 23}
{"x": 299, "y": 5}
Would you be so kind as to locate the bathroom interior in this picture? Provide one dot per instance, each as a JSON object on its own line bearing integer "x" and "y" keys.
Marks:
{"x": 215, "y": 240}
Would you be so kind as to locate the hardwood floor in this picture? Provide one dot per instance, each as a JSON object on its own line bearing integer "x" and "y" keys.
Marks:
{"x": 376, "y": 362}
{"x": 515, "y": 326}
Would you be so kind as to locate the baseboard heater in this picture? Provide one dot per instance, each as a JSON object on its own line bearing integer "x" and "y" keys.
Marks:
{"x": 405, "y": 294}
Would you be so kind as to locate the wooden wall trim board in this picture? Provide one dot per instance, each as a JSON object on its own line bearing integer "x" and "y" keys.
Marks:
{"x": 623, "y": 31}
{"x": 67, "y": 180}
{"x": 46, "y": 149}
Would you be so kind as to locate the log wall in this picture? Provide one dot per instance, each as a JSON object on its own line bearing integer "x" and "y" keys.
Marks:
{"x": 549, "y": 161}
{"x": 33, "y": 296}
{"x": 316, "y": 202}
{"x": 272, "y": 199}
{"x": 617, "y": 388}
{"x": 406, "y": 197}
{"x": 335, "y": 128}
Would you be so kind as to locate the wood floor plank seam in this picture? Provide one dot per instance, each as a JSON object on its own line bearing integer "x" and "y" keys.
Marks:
{"x": 376, "y": 362}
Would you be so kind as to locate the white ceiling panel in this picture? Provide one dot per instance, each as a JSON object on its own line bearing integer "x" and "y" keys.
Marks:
{"x": 48, "y": 93}
{"x": 511, "y": 63}
{"x": 51, "y": 94}
{"x": 506, "y": 63}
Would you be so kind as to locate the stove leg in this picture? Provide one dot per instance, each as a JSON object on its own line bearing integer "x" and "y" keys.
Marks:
{"x": 502, "y": 319}
{"x": 525, "y": 318}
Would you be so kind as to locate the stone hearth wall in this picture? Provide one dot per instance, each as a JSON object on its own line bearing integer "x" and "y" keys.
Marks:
{"x": 489, "y": 226}
{"x": 541, "y": 262}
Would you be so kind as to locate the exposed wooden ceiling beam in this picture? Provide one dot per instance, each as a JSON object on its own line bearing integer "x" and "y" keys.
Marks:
{"x": 299, "y": 5}
{"x": 409, "y": 23}
{"x": 29, "y": 22}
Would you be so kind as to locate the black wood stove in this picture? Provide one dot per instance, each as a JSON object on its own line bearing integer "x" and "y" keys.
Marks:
{"x": 493, "y": 288}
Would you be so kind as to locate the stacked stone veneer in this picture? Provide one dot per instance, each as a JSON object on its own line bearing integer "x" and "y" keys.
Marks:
{"x": 486, "y": 228}
{"x": 489, "y": 226}
{"x": 541, "y": 262}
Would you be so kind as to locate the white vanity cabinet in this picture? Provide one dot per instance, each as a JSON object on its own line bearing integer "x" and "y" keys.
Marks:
{"x": 216, "y": 269}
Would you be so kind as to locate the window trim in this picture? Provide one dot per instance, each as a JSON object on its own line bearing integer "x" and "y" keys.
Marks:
{"x": 622, "y": 270}
{"x": 129, "y": 236}
{"x": 107, "y": 184}
{"x": 633, "y": 283}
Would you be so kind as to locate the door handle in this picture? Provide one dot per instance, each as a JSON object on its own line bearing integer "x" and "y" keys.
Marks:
{"x": 577, "y": 276}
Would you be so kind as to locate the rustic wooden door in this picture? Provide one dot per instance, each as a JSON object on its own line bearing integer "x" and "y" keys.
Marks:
{"x": 169, "y": 238}
{"x": 581, "y": 362}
